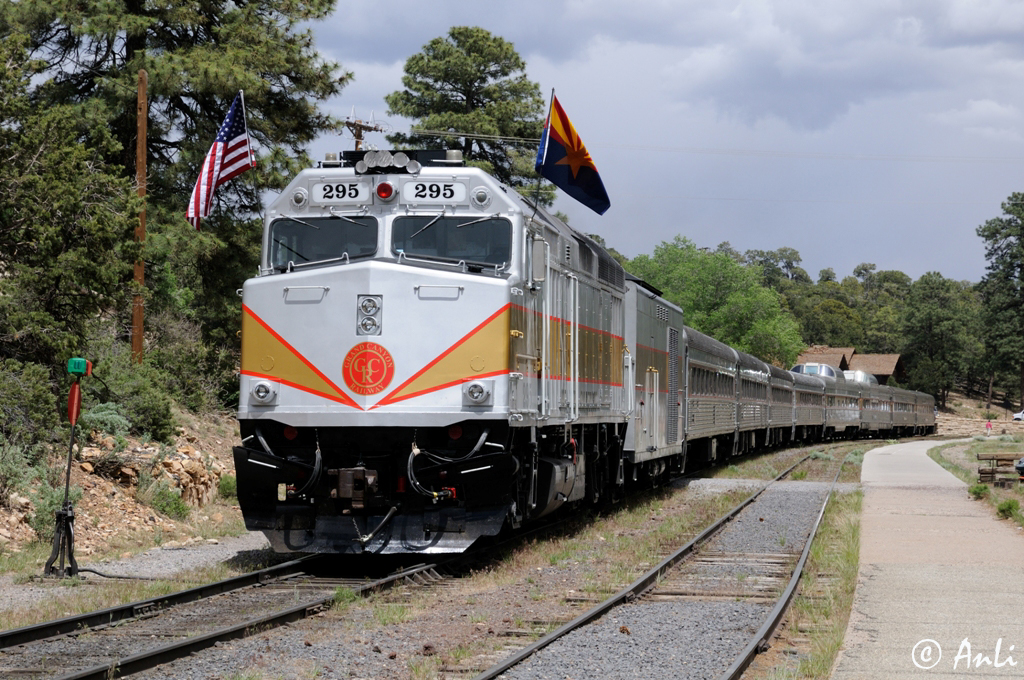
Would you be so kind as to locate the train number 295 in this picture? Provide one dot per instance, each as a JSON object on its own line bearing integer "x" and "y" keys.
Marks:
{"x": 433, "y": 190}
{"x": 341, "y": 191}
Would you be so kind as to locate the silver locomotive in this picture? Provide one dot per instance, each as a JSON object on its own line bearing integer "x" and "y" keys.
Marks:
{"x": 428, "y": 358}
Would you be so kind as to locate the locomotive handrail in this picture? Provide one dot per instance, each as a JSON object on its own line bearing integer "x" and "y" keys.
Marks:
{"x": 546, "y": 333}
{"x": 574, "y": 391}
{"x": 628, "y": 383}
{"x": 461, "y": 264}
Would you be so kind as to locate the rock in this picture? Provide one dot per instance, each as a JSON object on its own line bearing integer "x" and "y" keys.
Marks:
{"x": 4, "y": 533}
{"x": 212, "y": 541}
{"x": 86, "y": 467}
{"x": 18, "y": 502}
{"x": 217, "y": 518}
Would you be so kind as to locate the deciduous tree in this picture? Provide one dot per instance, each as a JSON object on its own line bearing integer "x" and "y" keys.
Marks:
{"x": 722, "y": 298}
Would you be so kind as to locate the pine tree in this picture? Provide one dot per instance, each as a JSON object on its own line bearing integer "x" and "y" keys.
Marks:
{"x": 1002, "y": 287}
{"x": 66, "y": 223}
{"x": 474, "y": 83}
{"x": 198, "y": 56}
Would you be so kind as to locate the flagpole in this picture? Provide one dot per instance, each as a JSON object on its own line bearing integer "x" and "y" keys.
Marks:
{"x": 547, "y": 127}
{"x": 543, "y": 134}
{"x": 245, "y": 123}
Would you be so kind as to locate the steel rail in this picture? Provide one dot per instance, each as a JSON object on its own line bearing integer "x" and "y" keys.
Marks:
{"x": 627, "y": 594}
{"x": 177, "y": 650}
{"x": 759, "y": 643}
{"x": 104, "y": 617}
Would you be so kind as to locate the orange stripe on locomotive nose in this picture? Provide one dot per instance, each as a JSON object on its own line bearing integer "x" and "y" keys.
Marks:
{"x": 480, "y": 353}
{"x": 266, "y": 354}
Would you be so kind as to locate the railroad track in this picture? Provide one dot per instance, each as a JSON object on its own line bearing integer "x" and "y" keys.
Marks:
{"x": 104, "y": 644}
{"x": 704, "y": 611}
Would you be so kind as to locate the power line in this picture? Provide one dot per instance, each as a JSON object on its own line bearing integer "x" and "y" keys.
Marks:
{"x": 757, "y": 153}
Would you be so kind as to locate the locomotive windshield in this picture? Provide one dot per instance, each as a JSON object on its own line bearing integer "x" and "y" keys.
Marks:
{"x": 484, "y": 240}
{"x": 312, "y": 240}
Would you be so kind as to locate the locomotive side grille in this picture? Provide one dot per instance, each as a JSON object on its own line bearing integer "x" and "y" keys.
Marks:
{"x": 661, "y": 312}
{"x": 609, "y": 271}
{"x": 586, "y": 259}
{"x": 672, "y": 426}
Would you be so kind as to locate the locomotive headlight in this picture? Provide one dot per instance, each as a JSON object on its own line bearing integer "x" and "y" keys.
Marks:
{"x": 368, "y": 314}
{"x": 264, "y": 393}
{"x": 299, "y": 198}
{"x": 477, "y": 393}
{"x": 481, "y": 197}
{"x": 369, "y": 306}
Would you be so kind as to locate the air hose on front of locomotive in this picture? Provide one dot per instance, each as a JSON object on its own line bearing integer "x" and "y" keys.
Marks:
{"x": 317, "y": 467}
{"x": 443, "y": 493}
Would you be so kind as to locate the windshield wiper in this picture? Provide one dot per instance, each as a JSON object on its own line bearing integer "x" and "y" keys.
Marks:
{"x": 476, "y": 221}
{"x": 278, "y": 242}
{"x": 428, "y": 224}
{"x": 347, "y": 219}
{"x": 308, "y": 224}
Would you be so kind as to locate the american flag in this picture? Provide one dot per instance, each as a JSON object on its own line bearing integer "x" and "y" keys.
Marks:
{"x": 229, "y": 157}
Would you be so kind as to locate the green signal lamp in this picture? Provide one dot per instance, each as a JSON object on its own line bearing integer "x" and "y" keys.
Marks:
{"x": 80, "y": 367}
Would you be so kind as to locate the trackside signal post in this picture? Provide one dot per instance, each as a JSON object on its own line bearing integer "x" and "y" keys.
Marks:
{"x": 64, "y": 529}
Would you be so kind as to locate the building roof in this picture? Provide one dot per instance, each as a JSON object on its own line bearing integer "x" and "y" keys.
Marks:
{"x": 837, "y": 357}
{"x": 876, "y": 364}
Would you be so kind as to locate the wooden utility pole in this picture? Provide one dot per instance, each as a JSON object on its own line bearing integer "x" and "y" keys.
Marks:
{"x": 140, "y": 230}
{"x": 358, "y": 127}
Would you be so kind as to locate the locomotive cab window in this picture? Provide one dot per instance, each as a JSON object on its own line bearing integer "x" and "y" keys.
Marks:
{"x": 465, "y": 238}
{"x": 313, "y": 240}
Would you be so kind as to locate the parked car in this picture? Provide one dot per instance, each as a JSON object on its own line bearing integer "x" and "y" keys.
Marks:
{"x": 1018, "y": 416}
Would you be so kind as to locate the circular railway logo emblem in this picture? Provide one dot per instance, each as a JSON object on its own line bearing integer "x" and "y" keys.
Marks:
{"x": 368, "y": 368}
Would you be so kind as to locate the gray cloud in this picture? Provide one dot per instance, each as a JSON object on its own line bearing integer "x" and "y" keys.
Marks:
{"x": 854, "y": 132}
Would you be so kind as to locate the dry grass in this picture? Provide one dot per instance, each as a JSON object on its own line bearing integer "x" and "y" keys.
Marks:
{"x": 961, "y": 460}
{"x": 821, "y": 608}
{"x": 80, "y": 597}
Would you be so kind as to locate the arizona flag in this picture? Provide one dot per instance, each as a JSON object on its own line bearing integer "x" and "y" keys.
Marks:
{"x": 565, "y": 162}
{"x": 230, "y": 156}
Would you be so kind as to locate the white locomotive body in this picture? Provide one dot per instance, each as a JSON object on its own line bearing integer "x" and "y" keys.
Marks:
{"x": 428, "y": 358}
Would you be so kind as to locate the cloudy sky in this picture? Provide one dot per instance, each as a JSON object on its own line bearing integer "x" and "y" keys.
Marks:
{"x": 854, "y": 131}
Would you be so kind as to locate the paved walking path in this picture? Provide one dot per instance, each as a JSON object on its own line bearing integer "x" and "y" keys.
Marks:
{"x": 941, "y": 584}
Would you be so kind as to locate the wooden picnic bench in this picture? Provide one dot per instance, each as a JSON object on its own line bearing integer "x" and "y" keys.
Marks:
{"x": 1000, "y": 470}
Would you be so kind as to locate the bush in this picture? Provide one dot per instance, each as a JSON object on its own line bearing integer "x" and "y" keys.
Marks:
{"x": 227, "y": 487}
{"x": 818, "y": 455}
{"x": 161, "y": 497}
{"x": 28, "y": 407}
{"x": 138, "y": 390}
{"x": 12, "y": 471}
{"x": 978, "y": 491}
{"x": 167, "y": 502}
{"x": 48, "y": 500}
{"x": 194, "y": 373}
{"x": 1008, "y": 508}
{"x": 105, "y": 417}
